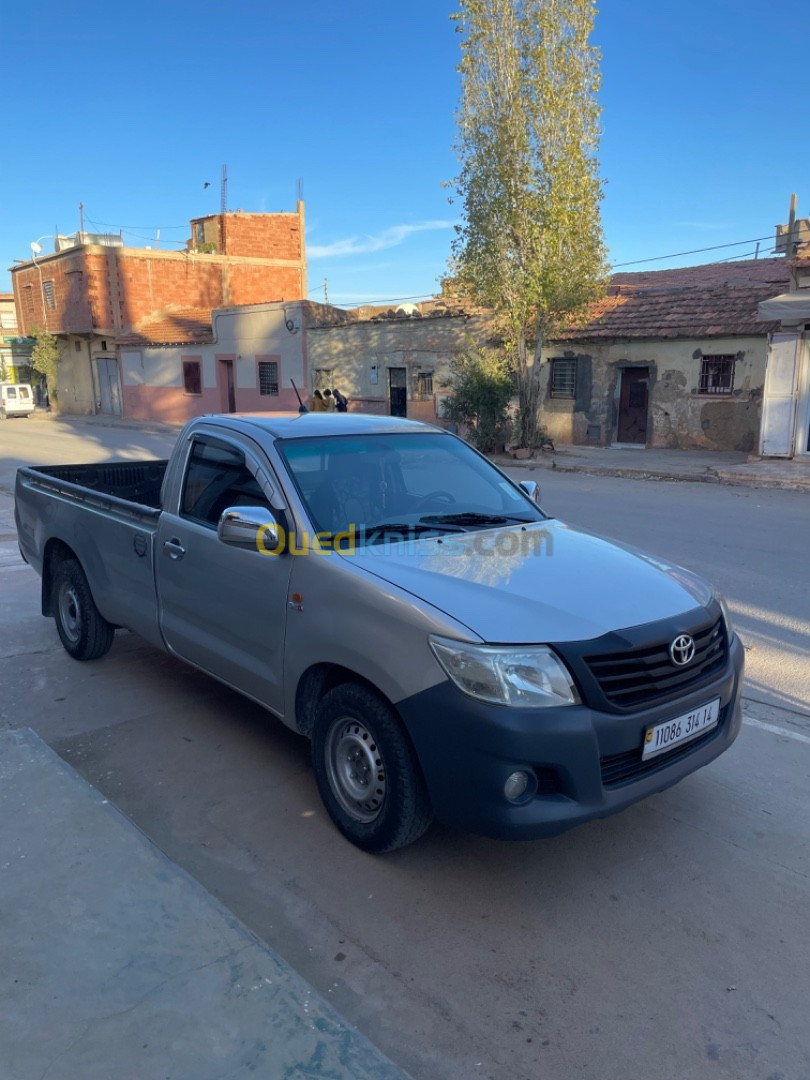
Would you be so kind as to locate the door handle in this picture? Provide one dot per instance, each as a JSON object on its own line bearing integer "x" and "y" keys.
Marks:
{"x": 173, "y": 548}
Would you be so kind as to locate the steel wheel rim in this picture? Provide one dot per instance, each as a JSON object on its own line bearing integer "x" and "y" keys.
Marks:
{"x": 355, "y": 768}
{"x": 70, "y": 613}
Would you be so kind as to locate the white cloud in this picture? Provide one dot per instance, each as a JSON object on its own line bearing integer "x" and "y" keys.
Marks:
{"x": 365, "y": 245}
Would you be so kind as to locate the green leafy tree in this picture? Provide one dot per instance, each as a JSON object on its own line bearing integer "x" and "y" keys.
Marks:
{"x": 530, "y": 246}
{"x": 45, "y": 359}
{"x": 481, "y": 388}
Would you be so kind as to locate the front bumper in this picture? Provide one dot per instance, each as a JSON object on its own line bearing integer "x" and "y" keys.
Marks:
{"x": 588, "y": 762}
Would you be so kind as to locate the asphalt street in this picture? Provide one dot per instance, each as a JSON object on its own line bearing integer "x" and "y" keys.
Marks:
{"x": 669, "y": 941}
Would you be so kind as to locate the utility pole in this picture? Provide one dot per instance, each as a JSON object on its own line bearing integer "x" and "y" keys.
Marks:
{"x": 81, "y": 220}
{"x": 791, "y": 248}
{"x": 325, "y": 291}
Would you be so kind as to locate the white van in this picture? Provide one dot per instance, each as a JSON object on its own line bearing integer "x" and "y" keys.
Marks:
{"x": 16, "y": 399}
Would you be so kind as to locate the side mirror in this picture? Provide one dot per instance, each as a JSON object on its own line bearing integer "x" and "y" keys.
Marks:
{"x": 532, "y": 490}
{"x": 250, "y": 527}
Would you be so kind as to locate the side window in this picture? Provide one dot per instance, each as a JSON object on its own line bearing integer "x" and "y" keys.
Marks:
{"x": 216, "y": 478}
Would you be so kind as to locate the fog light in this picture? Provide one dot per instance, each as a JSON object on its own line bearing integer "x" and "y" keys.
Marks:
{"x": 516, "y": 786}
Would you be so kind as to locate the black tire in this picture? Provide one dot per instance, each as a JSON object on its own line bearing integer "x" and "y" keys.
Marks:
{"x": 82, "y": 629}
{"x": 367, "y": 772}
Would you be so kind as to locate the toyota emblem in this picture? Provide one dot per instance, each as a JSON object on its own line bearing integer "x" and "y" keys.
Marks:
{"x": 682, "y": 650}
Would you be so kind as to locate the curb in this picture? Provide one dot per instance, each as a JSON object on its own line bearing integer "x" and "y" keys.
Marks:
{"x": 151, "y": 427}
{"x": 711, "y": 476}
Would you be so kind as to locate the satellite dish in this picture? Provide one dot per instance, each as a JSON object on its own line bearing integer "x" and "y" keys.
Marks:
{"x": 409, "y": 310}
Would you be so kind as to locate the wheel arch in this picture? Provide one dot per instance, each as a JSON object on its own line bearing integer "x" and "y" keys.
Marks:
{"x": 56, "y": 552}
{"x": 317, "y": 681}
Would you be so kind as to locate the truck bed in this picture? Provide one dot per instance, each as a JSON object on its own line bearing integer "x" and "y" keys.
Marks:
{"x": 133, "y": 481}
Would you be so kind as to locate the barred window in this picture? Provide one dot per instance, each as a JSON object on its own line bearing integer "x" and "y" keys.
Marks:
{"x": 50, "y": 298}
{"x": 424, "y": 382}
{"x": 268, "y": 377}
{"x": 716, "y": 375}
{"x": 563, "y": 382}
{"x": 192, "y": 379}
{"x": 29, "y": 299}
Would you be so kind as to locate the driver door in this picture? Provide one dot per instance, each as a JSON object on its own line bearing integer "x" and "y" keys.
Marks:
{"x": 223, "y": 608}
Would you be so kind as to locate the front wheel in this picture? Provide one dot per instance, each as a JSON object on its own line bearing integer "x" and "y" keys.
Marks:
{"x": 367, "y": 772}
{"x": 82, "y": 629}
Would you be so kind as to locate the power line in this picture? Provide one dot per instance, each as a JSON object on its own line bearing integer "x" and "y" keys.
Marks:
{"x": 110, "y": 225}
{"x": 395, "y": 300}
{"x": 694, "y": 251}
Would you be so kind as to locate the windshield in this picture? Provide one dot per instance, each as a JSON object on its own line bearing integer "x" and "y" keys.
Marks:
{"x": 411, "y": 483}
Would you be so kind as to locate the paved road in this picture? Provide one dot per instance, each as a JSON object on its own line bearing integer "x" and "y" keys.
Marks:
{"x": 751, "y": 543}
{"x": 668, "y": 942}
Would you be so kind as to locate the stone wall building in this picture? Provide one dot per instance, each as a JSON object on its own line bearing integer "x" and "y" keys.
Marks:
{"x": 670, "y": 358}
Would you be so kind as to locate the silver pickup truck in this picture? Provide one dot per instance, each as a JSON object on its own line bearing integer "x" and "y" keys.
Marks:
{"x": 383, "y": 589}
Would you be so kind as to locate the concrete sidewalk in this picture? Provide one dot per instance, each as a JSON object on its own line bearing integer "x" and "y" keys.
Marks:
{"x": 704, "y": 466}
{"x": 117, "y": 964}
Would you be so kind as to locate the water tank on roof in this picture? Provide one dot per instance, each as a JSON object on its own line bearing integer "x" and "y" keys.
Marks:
{"x": 410, "y": 310}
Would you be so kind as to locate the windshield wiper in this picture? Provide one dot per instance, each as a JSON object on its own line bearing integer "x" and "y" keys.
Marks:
{"x": 472, "y": 518}
{"x": 403, "y": 527}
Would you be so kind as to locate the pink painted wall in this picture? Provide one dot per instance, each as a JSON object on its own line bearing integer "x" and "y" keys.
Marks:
{"x": 170, "y": 405}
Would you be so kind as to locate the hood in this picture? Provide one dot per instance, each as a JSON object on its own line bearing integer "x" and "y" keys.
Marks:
{"x": 542, "y": 583}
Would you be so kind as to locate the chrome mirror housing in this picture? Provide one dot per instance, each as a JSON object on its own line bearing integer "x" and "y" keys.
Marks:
{"x": 240, "y": 526}
{"x": 532, "y": 489}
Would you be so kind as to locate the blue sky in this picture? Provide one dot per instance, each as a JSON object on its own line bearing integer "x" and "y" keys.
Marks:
{"x": 132, "y": 108}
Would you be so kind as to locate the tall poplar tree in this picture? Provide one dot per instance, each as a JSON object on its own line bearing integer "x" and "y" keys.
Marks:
{"x": 530, "y": 245}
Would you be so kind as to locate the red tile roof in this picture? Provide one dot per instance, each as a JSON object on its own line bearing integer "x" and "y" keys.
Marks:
{"x": 714, "y": 300}
{"x": 185, "y": 326}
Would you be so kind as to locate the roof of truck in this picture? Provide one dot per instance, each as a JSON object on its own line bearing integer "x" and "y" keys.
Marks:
{"x": 305, "y": 425}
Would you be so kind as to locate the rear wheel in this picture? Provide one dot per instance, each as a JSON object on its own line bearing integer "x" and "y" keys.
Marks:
{"x": 82, "y": 629}
{"x": 367, "y": 772}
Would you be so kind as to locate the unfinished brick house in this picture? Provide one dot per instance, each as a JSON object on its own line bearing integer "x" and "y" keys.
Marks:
{"x": 93, "y": 294}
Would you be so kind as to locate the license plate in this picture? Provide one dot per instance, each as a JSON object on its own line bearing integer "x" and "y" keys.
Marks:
{"x": 663, "y": 737}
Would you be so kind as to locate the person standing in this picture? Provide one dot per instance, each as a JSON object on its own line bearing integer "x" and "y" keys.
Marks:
{"x": 341, "y": 403}
{"x": 318, "y": 403}
{"x": 329, "y": 401}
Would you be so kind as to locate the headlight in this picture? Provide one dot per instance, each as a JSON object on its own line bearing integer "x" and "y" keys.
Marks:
{"x": 530, "y": 675}
{"x": 721, "y": 600}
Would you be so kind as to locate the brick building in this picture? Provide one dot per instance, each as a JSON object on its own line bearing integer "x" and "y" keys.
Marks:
{"x": 94, "y": 292}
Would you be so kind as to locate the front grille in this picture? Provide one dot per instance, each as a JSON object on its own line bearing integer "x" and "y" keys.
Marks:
{"x": 645, "y": 675}
{"x": 618, "y": 769}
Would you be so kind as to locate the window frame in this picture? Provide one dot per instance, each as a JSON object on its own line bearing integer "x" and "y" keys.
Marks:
{"x": 49, "y": 294}
{"x": 726, "y": 370}
{"x": 187, "y": 366}
{"x": 424, "y": 384}
{"x": 568, "y": 390}
{"x": 267, "y": 361}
